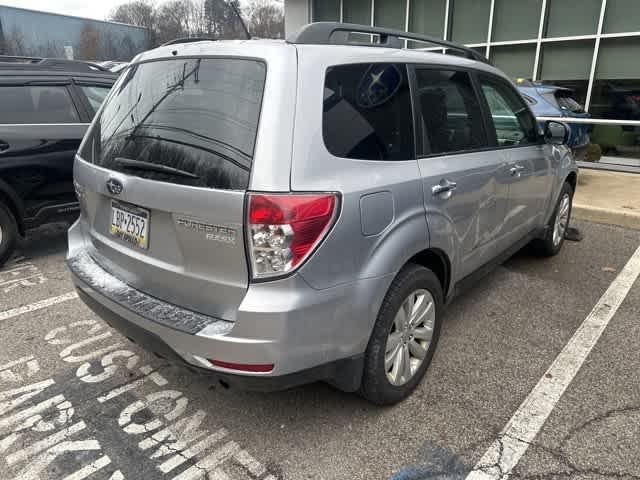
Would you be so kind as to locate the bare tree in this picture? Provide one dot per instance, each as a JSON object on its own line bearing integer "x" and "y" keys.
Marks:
{"x": 138, "y": 12}
{"x": 266, "y": 19}
{"x": 127, "y": 49}
{"x": 89, "y": 43}
{"x": 14, "y": 43}
{"x": 3, "y": 42}
{"x": 52, "y": 50}
{"x": 172, "y": 19}
{"x": 221, "y": 19}
{"x": 107, "y": 49}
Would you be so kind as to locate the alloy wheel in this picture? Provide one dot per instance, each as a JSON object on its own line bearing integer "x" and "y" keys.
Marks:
{"x": 562, "y": 219}
{"x": 410, "y": 336}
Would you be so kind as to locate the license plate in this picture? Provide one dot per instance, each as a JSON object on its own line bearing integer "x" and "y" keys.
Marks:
{"x": 130, "y": 223}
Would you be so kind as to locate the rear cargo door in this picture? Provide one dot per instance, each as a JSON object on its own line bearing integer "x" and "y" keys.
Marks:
{"x": 165, "y": 166}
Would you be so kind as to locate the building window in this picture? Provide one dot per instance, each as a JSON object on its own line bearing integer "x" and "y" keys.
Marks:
{"x": 616, "y": 95}
{"x": 566, "y": 18}
{"x": 427, "y": 17}
{"x": 470, "y": 21}
{"x": 326, "y": 10}
{"x": 617, "y": 82}
{"x": 568, "y": 64}
{"x": 621, "y": 16}
{"x": 516, "y": 20}
{"x": 390, "y": 13}
{"x": 515, "y": 60}
{"x": 357, "y": 11}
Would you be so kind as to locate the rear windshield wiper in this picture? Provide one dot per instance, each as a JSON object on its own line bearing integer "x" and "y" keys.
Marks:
{"x": 153, "y": 167}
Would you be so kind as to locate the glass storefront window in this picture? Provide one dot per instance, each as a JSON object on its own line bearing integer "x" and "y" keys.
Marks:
{"x": 326, "y": 10}
{"x": 616, "y": 88}
{"x": 470, "y": 21}
{"x": 567, "y": 17}
{"x": 427, "y": 17}
{"x": 390, "y": 13}
{"x": 515, "y": 60}
{"x": 513, "y": 20}
{"x": 621, "y": 16}
{"x": 567, "y": 60}
{"x": 357, "y": 11}
{"x": 616, "y": 96}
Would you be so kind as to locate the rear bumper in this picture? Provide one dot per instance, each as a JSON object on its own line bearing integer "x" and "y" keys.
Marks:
{"x": 344, "y": 373}
{"x": 306, "y": 334}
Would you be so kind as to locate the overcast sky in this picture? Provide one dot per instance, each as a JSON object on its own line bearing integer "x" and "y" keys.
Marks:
{"x": 99, "y": 9}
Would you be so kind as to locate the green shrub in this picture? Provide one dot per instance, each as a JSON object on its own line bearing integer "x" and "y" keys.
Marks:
{"x": 594, "y": 152}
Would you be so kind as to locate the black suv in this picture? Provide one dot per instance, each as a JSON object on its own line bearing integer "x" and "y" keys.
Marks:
{"x": 46, "y": 106}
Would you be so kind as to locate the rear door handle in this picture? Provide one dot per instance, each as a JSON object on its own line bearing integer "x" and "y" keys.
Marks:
{"x": 443, "y": 187}
{"x": 4, "y": 146}
{"x": 516, "y": 170}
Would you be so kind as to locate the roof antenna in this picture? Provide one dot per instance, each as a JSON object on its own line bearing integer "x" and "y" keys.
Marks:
{"x": 244, "y": 25}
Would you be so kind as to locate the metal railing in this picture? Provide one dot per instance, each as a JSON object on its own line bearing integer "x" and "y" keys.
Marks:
{"x": 592, "y": 121}
{"x": 618, "y": 162}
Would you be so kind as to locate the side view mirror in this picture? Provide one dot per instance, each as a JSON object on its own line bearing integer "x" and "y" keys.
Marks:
{"x": 556, "y": 133}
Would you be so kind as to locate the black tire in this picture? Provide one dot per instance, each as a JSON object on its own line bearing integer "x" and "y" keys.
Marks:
{"x": 8, "y": 234}
{"x": 545, "y": 246}
{"x": 376, "y": 387}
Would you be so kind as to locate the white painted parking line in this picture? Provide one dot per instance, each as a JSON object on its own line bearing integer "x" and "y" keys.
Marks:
{"x": 512, "y": 443}
{"x": 14, "y": 312}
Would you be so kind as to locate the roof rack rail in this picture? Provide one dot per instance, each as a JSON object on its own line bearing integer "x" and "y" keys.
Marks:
{"x": 176, "y": 41}
{"x": 38, "y": 63}
{"x": 77, "y": 65}
{"x": 18, "y": 59}
{"x": 334, "y": 33}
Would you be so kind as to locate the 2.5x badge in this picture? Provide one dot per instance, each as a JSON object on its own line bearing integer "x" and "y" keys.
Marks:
{"x": 215, "y": 233}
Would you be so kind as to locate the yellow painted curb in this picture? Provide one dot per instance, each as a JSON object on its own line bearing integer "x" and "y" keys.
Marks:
{"x": 606, "y": 215}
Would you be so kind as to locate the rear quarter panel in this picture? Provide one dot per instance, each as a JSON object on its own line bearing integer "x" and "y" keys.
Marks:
{"x": 357, "y": 247}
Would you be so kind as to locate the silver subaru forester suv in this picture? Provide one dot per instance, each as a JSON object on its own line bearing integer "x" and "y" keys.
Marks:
{"x": 273, "y": 213}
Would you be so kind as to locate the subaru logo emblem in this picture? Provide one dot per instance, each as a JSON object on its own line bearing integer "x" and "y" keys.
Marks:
{"x": 114, "y": 186}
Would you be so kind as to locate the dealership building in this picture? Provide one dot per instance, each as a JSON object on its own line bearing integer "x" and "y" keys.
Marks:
{"x": 589, "y": 46}
{"x": 25, "y": 32}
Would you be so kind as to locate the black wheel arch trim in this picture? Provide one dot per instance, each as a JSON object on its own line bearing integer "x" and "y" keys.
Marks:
{"x": 14, "y": 203}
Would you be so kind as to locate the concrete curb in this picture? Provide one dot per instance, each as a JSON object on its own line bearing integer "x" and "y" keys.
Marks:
{"x": 606, "y": 215}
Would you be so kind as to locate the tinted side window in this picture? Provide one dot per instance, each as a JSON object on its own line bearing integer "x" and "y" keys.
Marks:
{"x": 367, "y": 112}
{"x": 36, "y": 104}
{"x": 450, "y": 112}
{"x": 512, "y": 120}
{"x": 95, "y": 95}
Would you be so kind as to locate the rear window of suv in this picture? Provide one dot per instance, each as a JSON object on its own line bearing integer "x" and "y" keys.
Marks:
{"x": 197, "y": 116}
{"x": 367, "y": 112}
{"x": 567, "y": 102}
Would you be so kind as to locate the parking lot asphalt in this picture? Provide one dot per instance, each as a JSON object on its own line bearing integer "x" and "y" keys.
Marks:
{"x": 79, "y": 401}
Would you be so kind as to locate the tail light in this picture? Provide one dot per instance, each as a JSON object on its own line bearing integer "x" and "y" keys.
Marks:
{"x": 284, "y": 229}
